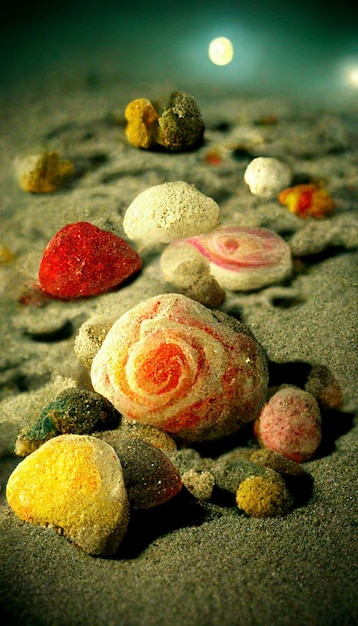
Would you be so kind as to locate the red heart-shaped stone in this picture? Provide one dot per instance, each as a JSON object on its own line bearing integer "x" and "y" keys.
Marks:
{"x": 84, "y": 260}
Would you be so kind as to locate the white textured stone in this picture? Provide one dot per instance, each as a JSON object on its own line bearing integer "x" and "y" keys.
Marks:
{"x": 169, "y": 211}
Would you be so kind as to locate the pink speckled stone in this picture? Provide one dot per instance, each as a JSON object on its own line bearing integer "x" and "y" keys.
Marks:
{"x": 290, "y": 423}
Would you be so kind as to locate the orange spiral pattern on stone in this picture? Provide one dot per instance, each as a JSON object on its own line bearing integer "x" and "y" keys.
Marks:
{"x": 171, "y": 363}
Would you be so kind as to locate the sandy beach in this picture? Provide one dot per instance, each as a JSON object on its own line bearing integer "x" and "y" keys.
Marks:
{"x": 187, "y": 562}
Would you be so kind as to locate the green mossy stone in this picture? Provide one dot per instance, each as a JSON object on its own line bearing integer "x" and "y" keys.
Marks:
{"x": 74, "y": 411}
{"x": 34, "y": 435}
{"x": 181, "y": 126}
{"x": 79, "y": 411}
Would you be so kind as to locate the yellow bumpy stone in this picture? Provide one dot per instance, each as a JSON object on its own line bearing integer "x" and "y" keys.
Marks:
{"x": 43, "y": 173}
{"x": 142, "y": 123}
{"x": 74, "y": 483}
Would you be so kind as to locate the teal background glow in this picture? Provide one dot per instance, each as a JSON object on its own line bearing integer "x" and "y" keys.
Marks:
{"x": 298, "y": 46}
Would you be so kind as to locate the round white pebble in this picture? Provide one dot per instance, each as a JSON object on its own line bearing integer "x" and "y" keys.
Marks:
{"x": 267, "y": 176}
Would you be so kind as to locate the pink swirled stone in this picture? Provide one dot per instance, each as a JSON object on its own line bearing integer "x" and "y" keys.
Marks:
{"x": 244, "y": 258}
{"x": 172, "y": 363}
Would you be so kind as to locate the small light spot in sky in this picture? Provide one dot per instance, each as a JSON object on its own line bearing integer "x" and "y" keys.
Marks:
{"x": 221, "y": 51}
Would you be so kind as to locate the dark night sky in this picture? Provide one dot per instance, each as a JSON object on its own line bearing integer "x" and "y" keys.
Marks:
{"x": 302, "y": 44}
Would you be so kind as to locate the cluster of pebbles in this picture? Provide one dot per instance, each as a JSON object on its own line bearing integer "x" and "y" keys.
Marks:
{"x": 182, "y": 375}
{"x": 179, "y": 126}
{"x": 84, "y": 479}
{"x": 168, "y": 374}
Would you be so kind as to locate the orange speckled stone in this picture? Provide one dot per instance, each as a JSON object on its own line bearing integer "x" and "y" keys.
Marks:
{"x": 75, "y": 484}
{"x": 307, "y": 200}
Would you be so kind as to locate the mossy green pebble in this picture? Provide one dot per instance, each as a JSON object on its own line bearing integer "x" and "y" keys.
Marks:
{"x": 75, "y": 484}
{"x": 79, "y": 411}
{"x": 181, "y": 126}
{"x": 74, "y": 411}
{"x": 35, "y": 435}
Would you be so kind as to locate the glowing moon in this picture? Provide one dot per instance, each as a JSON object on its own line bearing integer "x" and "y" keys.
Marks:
{"x": 353, "y": 77}
{"x": 221, "y": 51}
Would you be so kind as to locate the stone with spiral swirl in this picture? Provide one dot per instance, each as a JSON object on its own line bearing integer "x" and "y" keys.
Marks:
{"x": 174, "y": 364}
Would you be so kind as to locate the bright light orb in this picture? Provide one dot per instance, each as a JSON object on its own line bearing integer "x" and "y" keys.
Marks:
{"x": 221, "y": 51}
{"x": 353, "y": 76}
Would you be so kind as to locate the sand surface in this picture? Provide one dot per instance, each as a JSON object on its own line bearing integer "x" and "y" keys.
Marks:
{"x": 186, "y": 563}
